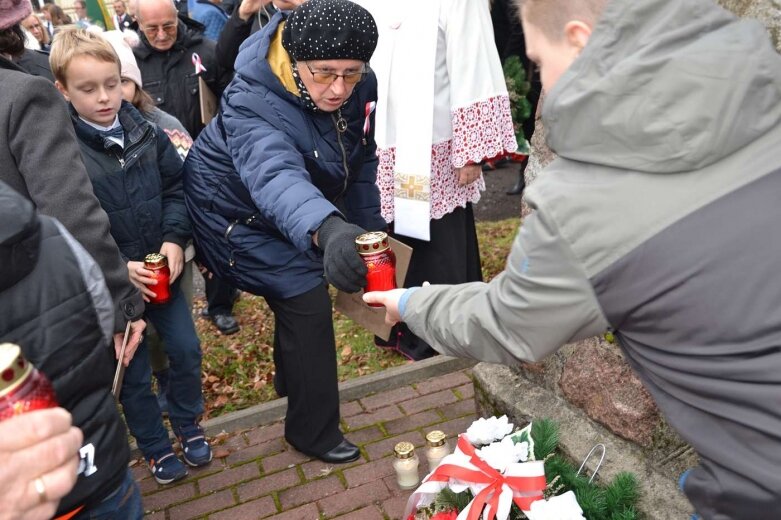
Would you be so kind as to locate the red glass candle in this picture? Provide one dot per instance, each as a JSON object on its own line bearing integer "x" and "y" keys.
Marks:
{"x": 158, "y": 264}
{"x": 22, "y": 387}
{"x": 376, "y": 253}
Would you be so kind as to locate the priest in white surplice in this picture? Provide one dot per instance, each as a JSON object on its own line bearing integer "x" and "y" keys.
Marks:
{"x": 442, "y": 108}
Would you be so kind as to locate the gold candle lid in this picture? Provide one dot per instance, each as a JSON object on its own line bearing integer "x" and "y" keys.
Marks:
{"x": 404, "y": 450}
{"x": 13, "y": 367}
{"x": 435, "y": 438}
{"x": 153, "y": 260}
{"x": 370, "y": 243}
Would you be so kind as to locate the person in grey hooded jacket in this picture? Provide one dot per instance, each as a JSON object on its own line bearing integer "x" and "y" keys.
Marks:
{"x": 658, "y": 221}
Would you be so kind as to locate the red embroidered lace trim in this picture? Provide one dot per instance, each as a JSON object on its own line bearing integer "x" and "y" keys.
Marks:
{"x": 446, "y": 194}
{"x": 482, "y": 130}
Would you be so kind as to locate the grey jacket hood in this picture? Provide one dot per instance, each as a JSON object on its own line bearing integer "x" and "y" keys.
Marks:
{"x": 725, "y": 78}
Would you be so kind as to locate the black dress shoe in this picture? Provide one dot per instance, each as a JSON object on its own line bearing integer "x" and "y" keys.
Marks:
{"x": 345, "y": 451}
{"x": 226, "y": 323}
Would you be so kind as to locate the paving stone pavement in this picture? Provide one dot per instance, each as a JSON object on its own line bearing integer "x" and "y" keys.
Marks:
{"x": 256, "y": 474}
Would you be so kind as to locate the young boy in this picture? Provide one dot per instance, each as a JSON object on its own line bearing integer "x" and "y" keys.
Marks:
{"x": 660, "y": 220}
{"x": 136, "y": 175}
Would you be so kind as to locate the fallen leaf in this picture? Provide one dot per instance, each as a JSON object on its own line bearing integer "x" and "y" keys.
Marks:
{"x": 220, "y": 452}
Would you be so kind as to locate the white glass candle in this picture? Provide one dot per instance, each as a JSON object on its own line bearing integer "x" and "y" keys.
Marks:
{"x": 437, "y": 449}
{"x": 406, "y": 465}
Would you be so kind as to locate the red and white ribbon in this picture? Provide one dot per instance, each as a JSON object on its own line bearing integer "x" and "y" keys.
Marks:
{"x": 198, "y": 64}
{"x": 367, "y": 122}
{"x": 522, "y": 483}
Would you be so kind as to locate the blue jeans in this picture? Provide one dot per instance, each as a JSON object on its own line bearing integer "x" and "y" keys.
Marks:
{"x": 175, "y": 327}
{"x": 124, "y": 503}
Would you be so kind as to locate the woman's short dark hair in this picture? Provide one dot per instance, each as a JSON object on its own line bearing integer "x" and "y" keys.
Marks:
{"x": 12, "y": 41}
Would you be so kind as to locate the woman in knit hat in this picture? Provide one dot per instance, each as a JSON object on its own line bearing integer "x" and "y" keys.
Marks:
{"x": 281, "y": 183}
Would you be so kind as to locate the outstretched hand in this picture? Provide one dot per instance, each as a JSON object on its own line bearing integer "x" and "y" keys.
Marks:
{"x": 390, "y": 299}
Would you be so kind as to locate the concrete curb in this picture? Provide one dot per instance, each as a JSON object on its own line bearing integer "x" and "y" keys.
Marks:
{"x": 272, "y": 411}
{"x": 351, "y": 390}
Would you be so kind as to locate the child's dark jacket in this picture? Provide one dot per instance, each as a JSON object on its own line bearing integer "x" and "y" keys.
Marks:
{"x": 139, "y": 187}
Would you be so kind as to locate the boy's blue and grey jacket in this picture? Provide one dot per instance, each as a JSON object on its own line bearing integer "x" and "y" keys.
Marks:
{"x": 661, "y": 220}
{"x": 139, "y": 187}
{"x": 54, "y": 304}
{"x": 266, "y": 173}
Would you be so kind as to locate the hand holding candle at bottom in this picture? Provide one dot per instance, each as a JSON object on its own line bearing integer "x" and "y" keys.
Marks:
{"x": 393, "y": 301}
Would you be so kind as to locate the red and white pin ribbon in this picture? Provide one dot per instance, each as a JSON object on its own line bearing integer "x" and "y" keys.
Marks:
{"x": 198, "y": 64}
{"x": 367, "y": 122}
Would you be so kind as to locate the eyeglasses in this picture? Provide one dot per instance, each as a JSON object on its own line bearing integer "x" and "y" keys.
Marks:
{"x": 152, "y": 30}
{"x": 326, "y": 78}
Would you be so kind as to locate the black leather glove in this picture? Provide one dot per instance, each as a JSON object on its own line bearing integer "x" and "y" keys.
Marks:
{"x": 343, "y": 266}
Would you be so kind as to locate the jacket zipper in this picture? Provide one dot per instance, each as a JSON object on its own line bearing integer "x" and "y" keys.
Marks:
{"x": 344, "y": 154}
{"x": 133, "y": 148}
{"x": 148, "y": 135}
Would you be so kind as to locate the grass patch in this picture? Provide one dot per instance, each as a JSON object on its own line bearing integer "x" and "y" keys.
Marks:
{"x": 238, "y": 370}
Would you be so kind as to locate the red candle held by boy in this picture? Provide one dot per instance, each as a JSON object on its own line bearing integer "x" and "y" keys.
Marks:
{"x": 376, "y": 253}
{"x": 158, "y": 264}
{"x": 22, "y": 387}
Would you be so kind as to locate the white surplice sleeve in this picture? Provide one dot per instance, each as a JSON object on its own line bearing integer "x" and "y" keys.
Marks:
{"x": 479, "y": 104}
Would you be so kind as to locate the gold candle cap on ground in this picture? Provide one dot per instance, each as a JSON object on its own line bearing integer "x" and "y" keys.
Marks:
{"x": 404, "y": 450}
{"x": 13, "y": 367}
{"x": 153, "y": 260}
{"x": 370, "y": 243}
{"x": 435, "y": 438}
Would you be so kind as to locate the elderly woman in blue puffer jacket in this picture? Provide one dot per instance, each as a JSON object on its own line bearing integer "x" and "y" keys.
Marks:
{"x": 281, "y": 183}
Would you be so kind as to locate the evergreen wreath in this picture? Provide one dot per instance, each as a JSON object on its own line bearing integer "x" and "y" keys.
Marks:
{"x": 614, "y": 500}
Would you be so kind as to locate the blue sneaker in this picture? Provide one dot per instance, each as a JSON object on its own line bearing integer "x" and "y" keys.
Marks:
{"x": 195, "y": 448}
{"x": 167, "y": 468}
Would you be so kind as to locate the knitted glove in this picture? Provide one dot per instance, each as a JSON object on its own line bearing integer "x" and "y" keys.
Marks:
{"x": 343, "y": 266}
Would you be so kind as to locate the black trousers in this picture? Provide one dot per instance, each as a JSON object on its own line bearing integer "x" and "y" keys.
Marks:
{"x": 305, "y": 360}
{"x": 220, "y": 295}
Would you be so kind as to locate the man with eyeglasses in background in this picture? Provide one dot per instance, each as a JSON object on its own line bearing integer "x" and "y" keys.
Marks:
{"x": 172, "y": 55}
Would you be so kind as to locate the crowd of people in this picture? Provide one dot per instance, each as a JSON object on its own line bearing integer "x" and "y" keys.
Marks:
{"x": 336, "y": 117}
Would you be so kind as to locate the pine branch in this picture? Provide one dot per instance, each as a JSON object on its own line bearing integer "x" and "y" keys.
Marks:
{"x": 546, "y": 437}
{"x": 592, "y": 501}
{"x": 627, "y": 514}
{"x": 623, "y": 492}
